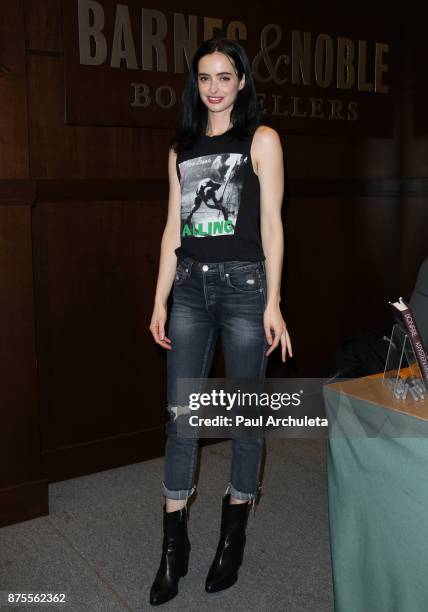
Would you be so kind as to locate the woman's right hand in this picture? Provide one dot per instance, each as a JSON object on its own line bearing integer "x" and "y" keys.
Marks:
{"x": 157, "y": 326}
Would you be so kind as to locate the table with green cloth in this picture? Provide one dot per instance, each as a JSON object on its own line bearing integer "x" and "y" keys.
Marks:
{"x": 377, "y": 467}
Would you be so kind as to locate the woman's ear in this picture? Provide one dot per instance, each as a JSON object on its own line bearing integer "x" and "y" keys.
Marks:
{"x": 242, "y": 83}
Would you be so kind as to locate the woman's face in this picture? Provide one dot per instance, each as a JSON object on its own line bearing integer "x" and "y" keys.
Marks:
{"x": 218, "y": 82}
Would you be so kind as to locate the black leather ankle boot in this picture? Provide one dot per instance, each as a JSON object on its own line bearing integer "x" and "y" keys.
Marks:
{"x": 230, "y": 550}
{"x": 175, "y": 557}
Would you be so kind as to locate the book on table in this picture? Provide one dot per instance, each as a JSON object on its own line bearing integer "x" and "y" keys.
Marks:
{"x": 403, "y": 315}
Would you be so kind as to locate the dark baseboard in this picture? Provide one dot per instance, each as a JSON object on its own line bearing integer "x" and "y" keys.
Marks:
{"x": 23, "y": 502}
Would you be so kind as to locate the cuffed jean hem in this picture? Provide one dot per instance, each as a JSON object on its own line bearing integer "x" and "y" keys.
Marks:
{"x": 177, "y": 494}
{"x": 250, "y": 497}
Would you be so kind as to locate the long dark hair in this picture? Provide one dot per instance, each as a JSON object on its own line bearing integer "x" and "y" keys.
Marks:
{"x": 193, "y": 114}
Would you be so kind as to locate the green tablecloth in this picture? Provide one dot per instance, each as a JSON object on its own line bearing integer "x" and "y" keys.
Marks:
{"x": 378, "y": 507}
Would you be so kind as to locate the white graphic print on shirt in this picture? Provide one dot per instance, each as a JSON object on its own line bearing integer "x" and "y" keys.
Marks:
{"x": 211, "y": 189}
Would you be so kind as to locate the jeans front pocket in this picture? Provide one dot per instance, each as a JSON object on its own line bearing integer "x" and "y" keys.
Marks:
{"x": 245, "y": 279}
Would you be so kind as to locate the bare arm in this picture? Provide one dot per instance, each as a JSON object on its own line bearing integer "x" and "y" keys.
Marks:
{"x": 270, "y": 170}
{"x": 168, "y": 259}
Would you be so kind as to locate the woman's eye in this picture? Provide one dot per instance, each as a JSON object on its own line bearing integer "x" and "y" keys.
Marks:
{"x": 202, "y": 78}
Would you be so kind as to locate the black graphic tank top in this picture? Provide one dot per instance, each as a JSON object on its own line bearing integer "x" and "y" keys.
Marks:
{"x": 220, "y": 200}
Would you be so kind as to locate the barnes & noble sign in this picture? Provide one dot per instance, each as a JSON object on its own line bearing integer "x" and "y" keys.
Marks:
{"x": 126, "y": 64}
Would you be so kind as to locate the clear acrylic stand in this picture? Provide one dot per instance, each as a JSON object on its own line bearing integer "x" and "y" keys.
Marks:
{"x": 402, "y": 355}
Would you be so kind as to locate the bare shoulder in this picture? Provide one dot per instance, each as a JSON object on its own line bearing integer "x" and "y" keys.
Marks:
{"x": 266, "y": 143}
{"x": 266, "y": 146}
{"x": 266, "y": 136}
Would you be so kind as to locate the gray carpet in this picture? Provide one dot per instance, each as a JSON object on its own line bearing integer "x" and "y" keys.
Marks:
{"x": 101, "y": 543}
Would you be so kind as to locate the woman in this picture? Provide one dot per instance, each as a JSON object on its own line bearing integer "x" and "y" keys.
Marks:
{"x": 226, "y": 177}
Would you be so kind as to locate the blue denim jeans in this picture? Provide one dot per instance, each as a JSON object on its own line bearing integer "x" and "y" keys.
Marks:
{"x": 208, "y": 300}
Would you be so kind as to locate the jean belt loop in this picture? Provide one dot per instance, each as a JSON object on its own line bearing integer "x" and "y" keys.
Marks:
{"x": 221, "y": 270}
{"x": 190, "y": 263}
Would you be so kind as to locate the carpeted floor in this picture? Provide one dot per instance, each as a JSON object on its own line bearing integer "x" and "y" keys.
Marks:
{"x": 101, "y": 543}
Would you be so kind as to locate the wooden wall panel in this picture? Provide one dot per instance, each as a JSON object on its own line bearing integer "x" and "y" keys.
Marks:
{"x": 83, "y": 152}
{"x": 100, "y": 374}
{"x": 414, "y": 239}
{"x": 17, "y": 349}
{"x": 312, "y": 158}
{"x": 342, "y": 262}
{"x": 13, "y": 103}
{"x": 43, "y": 25}
{"x": 413, "y": 148}
{"x": 23, "y": 492}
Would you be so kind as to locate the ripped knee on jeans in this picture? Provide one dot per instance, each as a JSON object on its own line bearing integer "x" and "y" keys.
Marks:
{"x": 177, "y": 410}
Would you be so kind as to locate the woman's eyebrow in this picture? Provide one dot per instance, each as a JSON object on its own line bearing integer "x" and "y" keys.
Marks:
{"x": 218, "y": 73}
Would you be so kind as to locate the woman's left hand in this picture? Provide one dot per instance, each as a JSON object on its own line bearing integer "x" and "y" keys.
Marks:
{"x": 273, "y": 321}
